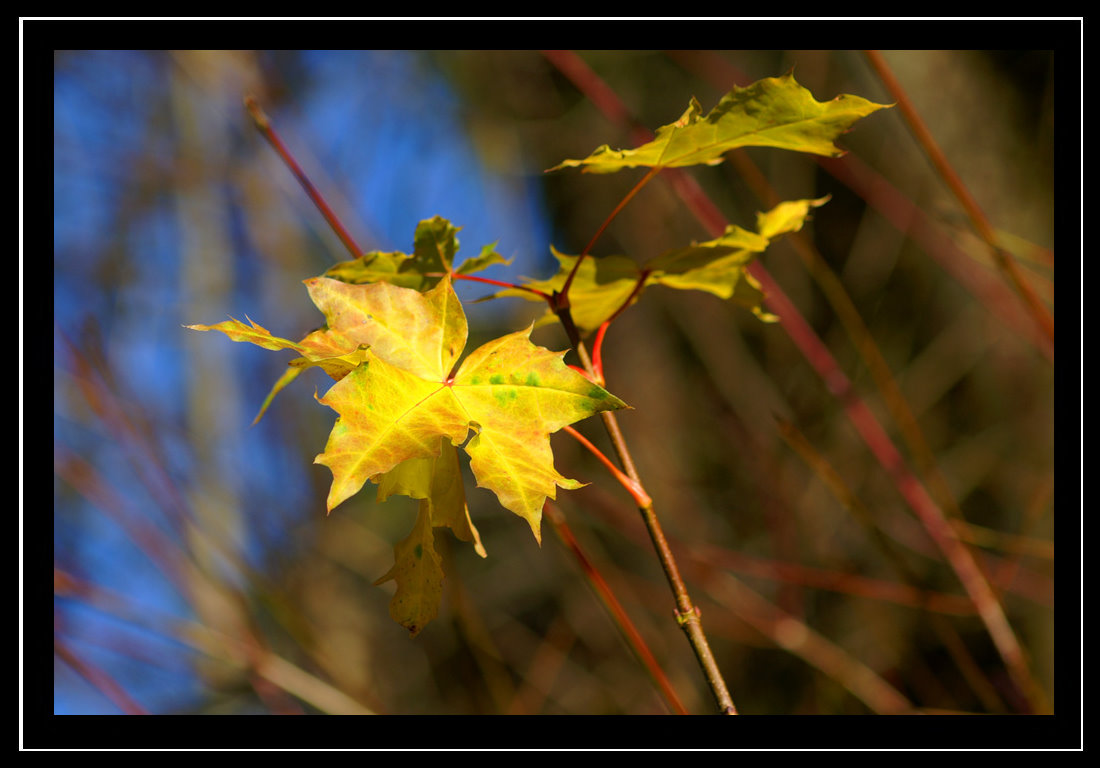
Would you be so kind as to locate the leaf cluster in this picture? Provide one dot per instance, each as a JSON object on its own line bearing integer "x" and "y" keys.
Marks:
{"x": 395, "y": 333}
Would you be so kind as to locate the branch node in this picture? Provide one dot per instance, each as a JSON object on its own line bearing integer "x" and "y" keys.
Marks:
{"x": 683, "y": 618}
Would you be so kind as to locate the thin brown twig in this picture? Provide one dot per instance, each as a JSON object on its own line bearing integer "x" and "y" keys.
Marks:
{"x": 796, "y": 637}
{"x": 687, "y": 615}
{"x": 779, "y": 626}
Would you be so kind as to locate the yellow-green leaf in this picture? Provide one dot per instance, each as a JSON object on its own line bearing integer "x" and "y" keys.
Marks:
{"x": 512, "y": 393}
{"x": 439, "y": 480}
{"x": 387, "y": 415}
{"x": 773, "y": 112}
{"x": 418, "y": 571}
{"x": 786, "y": 217}
{"x": 333, "y": 352}
{"x": 421, "y": 332}
{"x": 252, "y": 333}
{"x": 516, "y": 395}
{"x": 377, "y": 266}
{"x": 486, "y": 258}
{"x": 288, "y": 376}
{"x": 435, "y": 245}
{"x": 602, "y": 285}
{"x": 599, "y": 288}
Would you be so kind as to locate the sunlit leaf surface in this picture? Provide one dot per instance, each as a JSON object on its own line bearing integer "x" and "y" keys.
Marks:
{"x": 393, "y": 351}
{"x": 602, "y": 285}
{"x": 773, "y": 112}
{"x": 435, "y": 245}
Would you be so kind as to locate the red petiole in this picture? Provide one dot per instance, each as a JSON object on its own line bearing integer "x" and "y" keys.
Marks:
{"x": 622, "y": 204}
{"x": 490, "y": 281}
{"x": 635, "y": 488}
{"x": 597, "y": 344}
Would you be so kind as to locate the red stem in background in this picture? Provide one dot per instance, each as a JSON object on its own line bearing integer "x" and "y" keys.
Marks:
{"x": 908, "y": 219}
{"x": 884, "y": 197}
{"x": 817, "y": 354}
{"x": 882, "y": 448}
{"x": 977, "y": 216}
{"x": 264, "y": 125}
{"x": 101, "y": 392}
{"x": 622, "y": 620}
{"x": 99, "y": 679}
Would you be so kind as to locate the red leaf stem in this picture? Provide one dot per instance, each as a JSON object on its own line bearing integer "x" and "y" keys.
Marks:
{"x": 597, "y": 350}
{"x": 634, "y": 487}
{"x": 490, "y": 281}
{"x": 610, "y": 217}
{"x": 597, "y": 344}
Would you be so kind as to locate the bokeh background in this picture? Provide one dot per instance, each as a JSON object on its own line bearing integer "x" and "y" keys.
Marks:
{"x": 195, "y": 570}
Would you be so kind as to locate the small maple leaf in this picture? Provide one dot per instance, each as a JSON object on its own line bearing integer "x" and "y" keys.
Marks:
{"x": 417, "y": 570}
{"x": 393, "y": 351}
{"x": 601, "y": 285}
{"x": 435, "y": 245}
{"x": 773, "y": 112}
{"x": 404, "y": 398}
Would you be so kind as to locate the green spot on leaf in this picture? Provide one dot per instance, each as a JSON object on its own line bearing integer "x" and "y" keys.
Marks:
{"x": 505, "y": 396}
